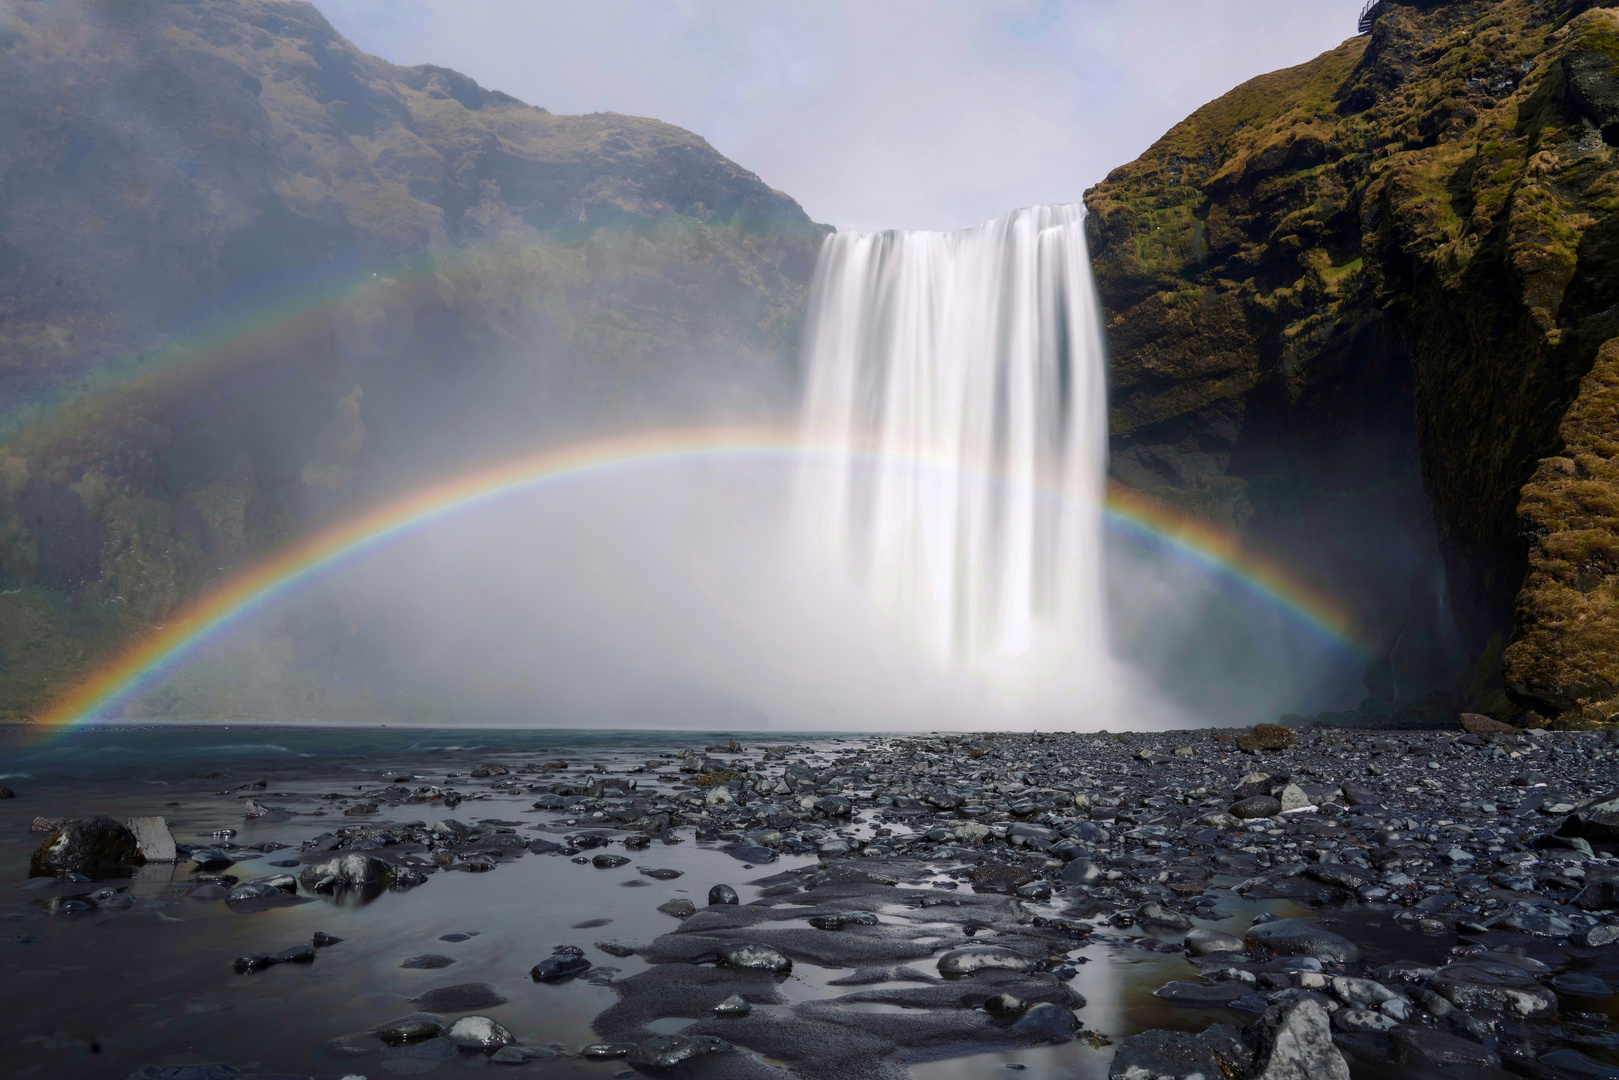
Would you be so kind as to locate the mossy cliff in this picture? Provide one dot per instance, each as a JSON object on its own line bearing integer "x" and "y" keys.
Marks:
{"x": 251, "y": 276}
{"x": 1375, "y": 282}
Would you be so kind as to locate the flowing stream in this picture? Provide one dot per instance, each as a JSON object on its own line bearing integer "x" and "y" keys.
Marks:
{"x": 956, "y": 382}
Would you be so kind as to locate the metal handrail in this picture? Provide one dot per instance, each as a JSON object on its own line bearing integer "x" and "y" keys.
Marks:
{"x": 1368, "y": 16}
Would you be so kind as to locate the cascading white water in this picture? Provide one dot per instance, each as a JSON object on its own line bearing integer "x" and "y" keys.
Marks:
{"x": 956, "y": 434}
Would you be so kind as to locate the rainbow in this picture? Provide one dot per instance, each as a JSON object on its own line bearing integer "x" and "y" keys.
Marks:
{"x": 136, "y": 667}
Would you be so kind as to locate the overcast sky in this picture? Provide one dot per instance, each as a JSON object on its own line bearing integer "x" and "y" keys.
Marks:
{"x": 922, "y": 114}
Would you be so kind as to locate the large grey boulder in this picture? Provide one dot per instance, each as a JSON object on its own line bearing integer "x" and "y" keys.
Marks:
{"x": 153, "y": 839}
{"x": 1294, "y": 1042}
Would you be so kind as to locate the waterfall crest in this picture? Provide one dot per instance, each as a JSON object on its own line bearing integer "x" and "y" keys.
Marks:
{"x": 955, "y": 429}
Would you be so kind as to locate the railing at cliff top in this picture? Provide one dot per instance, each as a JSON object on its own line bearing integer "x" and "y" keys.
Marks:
{"x": 1368, "y": 15}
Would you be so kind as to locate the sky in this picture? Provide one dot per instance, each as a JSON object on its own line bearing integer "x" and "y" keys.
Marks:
{"x": 876, "y": 114}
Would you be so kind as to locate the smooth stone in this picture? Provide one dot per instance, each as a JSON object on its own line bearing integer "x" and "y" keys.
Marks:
{"x": 842, "y": 919}
{"x": 1578, "y": 984}
{"x": 428, "y": 962}
{"x": 667, "y": 1051}
{"x": 753, "y": 853}
{"x": 1303, "y": 937}
{"x": 1255, "y": 806}
{"x": 605, "y": 861}
{"x": 559, "y": 967}
{"x": 1152, "y": 914}
{"x": 753, "y": 957}
{"x": 1048, "y": 1020}
{"x": 478, "y": 1033}
{"x": 1577, "y": 1064}
{"x": 1200, "y": 995}
{"x": 661, "y": 874}
{"x": 723, "y": 894}
{"x": 680, "y": 908}
{"x": 415, "y": 1026}
{"x": 982, "y": 958}
{"x": 735, "y": 1005}
{"x": 1005, "y": 1005}
{"x": 1202, "y": 942}
{"x": 84, "y": 845}
{"x": 460, "y": 997}
{"x": 521, "y": 1055}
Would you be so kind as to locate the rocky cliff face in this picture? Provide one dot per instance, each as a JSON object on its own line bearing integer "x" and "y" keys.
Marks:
{"x": 248, "y": 274}
{"x": 1351, "y": 306}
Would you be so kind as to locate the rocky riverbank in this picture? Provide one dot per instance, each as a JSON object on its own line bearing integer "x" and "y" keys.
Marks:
{"x": 1431, "y": 903}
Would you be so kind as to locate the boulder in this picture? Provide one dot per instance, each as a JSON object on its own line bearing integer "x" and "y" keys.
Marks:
{"x": 981, "y": 958}
{"x": 1479, "y": 724}
{"x": 1202, "y": 942}
{"x": 755, "y": 957}
{"x": 153, "y": 839}
{"x": 1256, "y": 806}
{"x": 1302, "y": 937}
{"x": 667, "y": 1051}
{"x": 1154, "y": 914}
{"x": 1000, "y": 877}
{"x": 1293, "y": 1041}
{"x": 1047, "y": 1021}
{"x": 345, "y": 871}
{"x": 479, "y": 1033}
{"x": 86, "y": 845}
{"x": 1597, "y": 822}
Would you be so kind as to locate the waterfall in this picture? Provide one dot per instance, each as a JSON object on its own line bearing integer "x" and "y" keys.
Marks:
{"x": 955, "y": 430}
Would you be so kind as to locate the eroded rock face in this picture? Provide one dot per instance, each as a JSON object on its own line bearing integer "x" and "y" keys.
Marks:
{"x": 1315, "y": 269}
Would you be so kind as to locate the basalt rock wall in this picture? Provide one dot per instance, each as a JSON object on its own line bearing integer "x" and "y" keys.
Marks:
{"x": 1354, "y": 308}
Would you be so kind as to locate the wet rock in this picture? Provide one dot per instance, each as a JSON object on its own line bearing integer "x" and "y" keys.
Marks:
{"x": 1597, "y": 822}
{"x": 1216, "y": 1053}
{"x": 1422, "y": 1046}
{"x": 489, "y": 768}
{"x": 421, "y": 1025}
{"x": 842, "y": 919}
{"x": 1577, "y": 1064}
{"x": 605, "y": 861}
{"x": 1005, "y": 1005}
{"x": 478, "y": 1033}
{"x": 1203, "y": 942}
{"x": 1494, "y": 987}
{"x": 661, "y": 874}
{"x": 1294, "y": 1042}
{"x": 1082, "y": 872}
{"x": 1047, "y": 1021}
{"x": 46, "y": 824}
{"x": 522, "y": 1055}
{"x": 1256, "y": 806}
{"x": 345, "y": 871}
{"x": 679, "y": 908}
{"x": 722, "y": 894}
{"x": 271, "y": 887}
{"x": 1599, "y": 895}
{"x": 427, "y": 962}
{"x": 667, "y": 1051}
{"x": 1302, "y": 937}
{"x": 1363, "y": 1021}
{"x": 1000, "y": 877}
{"x": 86, "y": 845}
{"x": 360, "y": 809}
{"x": 754, "y": 957}
{"x": 152, "y": 839}
{"x": 324, "y": 940}
{"x": 1200, "y": 995}
{"x": 735, "y": 1005}
{"x": 461, "y": 997}
{"x": 559, "y": 967}
{"x": 606, "y": 1051}
{"x": 752, "y": 853}
{"x": 982, "y": 958}
{"x": 1154, "y": 915}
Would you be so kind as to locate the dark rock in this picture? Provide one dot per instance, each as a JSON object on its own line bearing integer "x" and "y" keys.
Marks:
{"x": 661, "y": 874}
{"x": 322, "y": 940}
{"x": 1421, "y": 1046}
{"x": 1005, "y": 1005}
{"x": 1574, "y": 1063}
{"x": 1202, "y": 942}
{"x": 1000, "y": 877}
{"x": 460, "y": 997}
{"x": 667, "y": 1051}
{"x": 1047, "y": 1021}
{"x": 1082, "y": 872}
{"x": 605, "y": 861}
{"x": 1258, "y": 806}
{"x": 1216, "y": 1053}
{"x": 680, "y": 908}
{"x": 722, "y": 894}
{"x": 86, "y": 845}
{"x": 752, "y": 853}
{"x": 754, "y": 957}
{"x": 345, "y": 871}
{"x": 983, "y": 958}
{"x": 842, "y": 919}
{"x": 479, "y": 1033}
{"x": 428, "y": 962}
{"x": 1579, "y": 984}
{"x": 1302, "y": 937}
{"x": 559, "y": 967}
{"x": 1156, "y": 915}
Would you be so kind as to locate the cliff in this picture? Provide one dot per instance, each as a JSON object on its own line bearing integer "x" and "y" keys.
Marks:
{"x": 1354, "y": 308}
{"x": 250, "y": 275}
